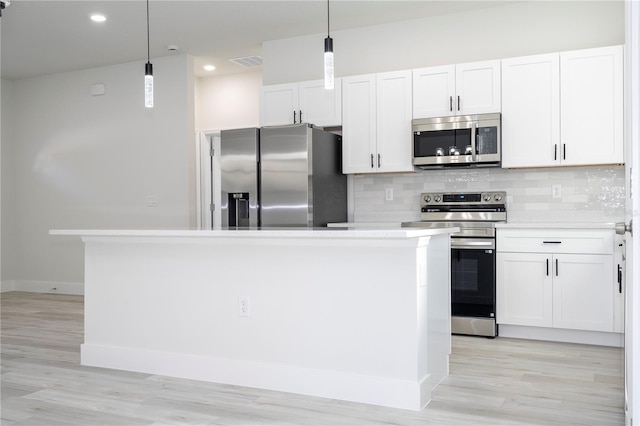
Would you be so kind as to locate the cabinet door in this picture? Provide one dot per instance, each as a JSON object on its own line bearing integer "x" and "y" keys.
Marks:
{"x": 359, "y": 124}
{"x": 320, "y": 106}
{"x": 524, "y": 289}
{"x": 477, "y": 88}
{"x": 582, "y": 296}
{"x": 591, "y": 90}
{"x": 278, "y": 104}
{"x": 531, "y": 111}
{"x": 434, "y": 91}
{"x": 393, "y": 122}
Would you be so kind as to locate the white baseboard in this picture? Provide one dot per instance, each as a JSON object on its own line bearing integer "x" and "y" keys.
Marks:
{"x": 562, "y": 335}
{"x": 43, "y": 287}
{"x": 384, "y": 391}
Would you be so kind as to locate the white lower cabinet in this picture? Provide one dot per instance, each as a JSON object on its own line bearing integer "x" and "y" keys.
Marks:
{"x": 556, "y": 279}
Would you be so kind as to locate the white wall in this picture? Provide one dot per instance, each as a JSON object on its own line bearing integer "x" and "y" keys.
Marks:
{"x": 228, "y": 101}
{"x": 6, "y": 190}
{"x": 498, "y": 32}
{"x": 81, "y": 161}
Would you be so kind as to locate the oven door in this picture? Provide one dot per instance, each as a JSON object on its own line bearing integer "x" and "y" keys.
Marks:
{"x": 473, "y": 277}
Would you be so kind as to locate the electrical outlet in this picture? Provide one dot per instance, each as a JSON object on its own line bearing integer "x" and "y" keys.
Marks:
{"x": 152, "y": 201}
{"x": 243, "y": 306}
{"x": 556, "y": 191}
{"x": 388, "y": 194}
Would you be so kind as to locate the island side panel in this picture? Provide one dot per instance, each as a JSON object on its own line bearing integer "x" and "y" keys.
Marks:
{"x": 343, "y": 314}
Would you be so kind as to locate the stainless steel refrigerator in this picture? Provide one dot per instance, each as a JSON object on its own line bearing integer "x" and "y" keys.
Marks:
{"x": 284, "y": 176}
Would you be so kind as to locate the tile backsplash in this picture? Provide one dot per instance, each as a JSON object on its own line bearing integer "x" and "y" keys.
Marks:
{"x": 587, "y": 194}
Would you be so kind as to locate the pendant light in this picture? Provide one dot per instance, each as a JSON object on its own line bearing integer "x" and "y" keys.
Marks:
{"x": 328, "y": 56}
{"x": 148, "y": 72}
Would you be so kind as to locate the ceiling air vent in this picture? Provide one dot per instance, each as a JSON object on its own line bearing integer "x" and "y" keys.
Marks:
{"x": 248, "y": 61}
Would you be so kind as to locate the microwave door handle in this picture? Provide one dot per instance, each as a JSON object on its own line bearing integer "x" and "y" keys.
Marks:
{"x": 473, "y": 141}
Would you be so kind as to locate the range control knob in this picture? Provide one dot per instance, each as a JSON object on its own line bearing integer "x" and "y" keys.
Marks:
{"x": 487, "y": 197}
{"x": 497, "y": 197}
{"x": 427, "y": 198}
{"x": 437, "y": 198}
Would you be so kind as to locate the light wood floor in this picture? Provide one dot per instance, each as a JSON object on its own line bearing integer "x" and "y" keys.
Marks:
{"x": 501, "y": 381}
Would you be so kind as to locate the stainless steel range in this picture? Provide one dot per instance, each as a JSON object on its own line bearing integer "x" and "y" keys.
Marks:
{"x": 473, "y": 254}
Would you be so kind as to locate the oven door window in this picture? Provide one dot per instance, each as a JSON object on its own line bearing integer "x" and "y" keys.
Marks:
{"x": 441, "y": 143}
{"x": 473, "y": 282}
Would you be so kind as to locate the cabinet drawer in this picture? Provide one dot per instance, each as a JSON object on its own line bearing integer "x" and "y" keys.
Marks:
{"x": 578, "y": 241}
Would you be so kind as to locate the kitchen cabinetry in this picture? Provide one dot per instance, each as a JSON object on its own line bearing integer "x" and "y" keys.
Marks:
{"x": 304, "y": 102}
{"x": 462, "y": 89}
{"x": 556, "y": 278}
{"x": 563, "y": 109}
{"x": 376, "y": 129}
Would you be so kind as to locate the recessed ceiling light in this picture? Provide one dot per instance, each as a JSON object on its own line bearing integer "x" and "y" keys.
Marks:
{"x": 98, "y": 17}
{"x": 209, "y": 67}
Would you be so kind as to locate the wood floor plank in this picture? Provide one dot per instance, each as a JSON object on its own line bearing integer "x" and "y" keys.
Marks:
{"x": 492, "y": 382}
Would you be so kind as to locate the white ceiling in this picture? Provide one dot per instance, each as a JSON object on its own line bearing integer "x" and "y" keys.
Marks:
{"x": 49, "y": 36}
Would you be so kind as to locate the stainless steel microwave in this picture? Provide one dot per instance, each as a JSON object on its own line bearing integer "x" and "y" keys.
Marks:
{"x": 465, "y": 140}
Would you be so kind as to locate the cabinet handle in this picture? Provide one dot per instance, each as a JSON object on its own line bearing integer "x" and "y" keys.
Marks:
{"x": 619, "y": 279}
{"x": 450, "y": 103}
{"x": 379, "y": 160}
{"x": 458, "y": 103}
{"x": 556, "y": 267}
{"x": 294, "y": 117}
{"x": 564, "y": 151}
{"x": 372, "y": 161}
{"x": 300, "y": 116}
{"x": 547, "y": 267}
{"x": 555, "y": 152}
{"x": 552, "y": 242}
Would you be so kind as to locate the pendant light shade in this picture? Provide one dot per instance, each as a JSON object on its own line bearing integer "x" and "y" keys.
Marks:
{"x": 148, "y": 72}
{"x": 328, "y": 57}
{"x": 148, "y": 85}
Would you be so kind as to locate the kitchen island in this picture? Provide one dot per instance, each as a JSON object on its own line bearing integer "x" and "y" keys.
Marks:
{"x": 360, "y": 315}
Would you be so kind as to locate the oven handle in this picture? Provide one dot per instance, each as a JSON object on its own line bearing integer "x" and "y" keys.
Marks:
{"x": 473, "y": 243}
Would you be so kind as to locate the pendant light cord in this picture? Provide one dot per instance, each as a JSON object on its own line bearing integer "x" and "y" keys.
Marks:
{"x": 148, "y": 49}
{"x": 328, "y": 32}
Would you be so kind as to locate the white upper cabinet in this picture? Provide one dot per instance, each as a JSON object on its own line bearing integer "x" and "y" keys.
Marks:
{"x": 462, "y": 89}
{"x": 591, "y": 102}
{"x": 376, "y": 131}
{"x": 434, "y": 89}
{"x": 359, "y": 124}
{"x": 393, "y": 113}
{"x": 563, "y": 109}
{"x": 530, "y": 110}
{"x": 305, "y": 102}
{"x": 278, "y": 104}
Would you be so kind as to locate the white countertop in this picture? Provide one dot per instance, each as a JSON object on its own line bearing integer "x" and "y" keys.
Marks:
{"x": 359, "y": 232}
{"x": 556, "y": 225}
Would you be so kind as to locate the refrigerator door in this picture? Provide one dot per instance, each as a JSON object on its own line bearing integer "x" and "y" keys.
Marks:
{"x": 239, "y": 180}
{"x": 285, "y": 169}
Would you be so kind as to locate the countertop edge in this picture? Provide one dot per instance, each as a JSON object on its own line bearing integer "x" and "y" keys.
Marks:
{"x": 556, "y": 225}
{"x": 264, "y": 233}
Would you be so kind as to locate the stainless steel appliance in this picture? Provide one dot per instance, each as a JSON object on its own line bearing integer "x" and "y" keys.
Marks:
{"x": 473, "y": 254}
{"x": 284, "y": 176}
{"x": 468, "y": 140}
